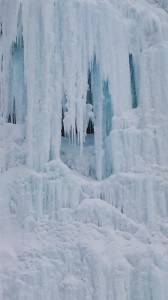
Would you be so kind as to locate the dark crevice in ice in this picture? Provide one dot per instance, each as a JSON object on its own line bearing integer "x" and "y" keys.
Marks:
{"x": 12, "y": 116}
{"x": 90, "y": 128}
{"x": 9, "y": 118}
{"x": 107, "y": 109}
{"x": 133, "y": 83}
{"x": 62, "y": 123}
{"x": 89, "y": 100}
{"x": 17, "y": 99}
{"x": 14, "y": 112}
{"x": 1, "y": 31}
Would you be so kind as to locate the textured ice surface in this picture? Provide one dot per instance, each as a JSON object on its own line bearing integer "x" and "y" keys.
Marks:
{"x": 83, "y": 150}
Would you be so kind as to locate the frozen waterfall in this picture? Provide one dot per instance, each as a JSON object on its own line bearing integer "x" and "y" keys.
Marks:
{"x": 83, "y": 150}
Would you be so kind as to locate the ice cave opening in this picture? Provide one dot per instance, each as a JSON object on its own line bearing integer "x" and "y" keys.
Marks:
{"x": 97, "y": 126}
{"x": 71, "y": 154}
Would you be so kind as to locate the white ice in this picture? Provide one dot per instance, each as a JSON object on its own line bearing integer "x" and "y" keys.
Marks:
{"x": 83, "y": 150}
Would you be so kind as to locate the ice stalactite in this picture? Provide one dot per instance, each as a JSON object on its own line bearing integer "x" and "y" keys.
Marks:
{"x": 107, "y": 128}
{"x": 97, "y": 95}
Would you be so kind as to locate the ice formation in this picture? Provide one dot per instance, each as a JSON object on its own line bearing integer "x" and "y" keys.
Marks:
{"x": 83, "y": 149}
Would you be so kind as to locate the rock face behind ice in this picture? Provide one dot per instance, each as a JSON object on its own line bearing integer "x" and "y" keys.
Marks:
{"x": 83, "y": 150}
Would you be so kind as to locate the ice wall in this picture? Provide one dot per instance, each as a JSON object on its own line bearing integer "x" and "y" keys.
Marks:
{"x": 88, "y": 206}
{"x": 47, "y": 43}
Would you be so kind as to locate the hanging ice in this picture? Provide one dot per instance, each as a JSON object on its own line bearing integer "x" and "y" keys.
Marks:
{"x": 83, "y": 150}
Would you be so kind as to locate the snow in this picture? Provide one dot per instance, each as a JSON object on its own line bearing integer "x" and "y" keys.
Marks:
{"x": 83, "y": 150}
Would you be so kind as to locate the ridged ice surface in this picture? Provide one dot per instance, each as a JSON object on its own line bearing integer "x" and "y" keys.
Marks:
{"x": 83, "y": 150}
